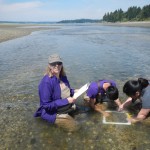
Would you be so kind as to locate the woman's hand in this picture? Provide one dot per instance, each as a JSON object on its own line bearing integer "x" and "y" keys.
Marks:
{"x": 106, "y": 114}
{"x": 125, "y": 104}
{"x": 133, "y": 120}
{"x": 121, "y": 108}
{"x": 71, "y": 100}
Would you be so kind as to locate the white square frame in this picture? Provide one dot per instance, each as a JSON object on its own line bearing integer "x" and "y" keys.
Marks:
{"x": 115, "y": 123}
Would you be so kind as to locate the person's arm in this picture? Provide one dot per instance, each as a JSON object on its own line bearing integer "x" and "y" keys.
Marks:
{"x": 97, "y": 107}
{"x": 71, "y": 100}
{"x": 45, "y": 93}
{"x": 125, "y": 104}
{"x": 92, "y": 103}
{"x": 141, "y": 116}
{"x": 118, "y": 102}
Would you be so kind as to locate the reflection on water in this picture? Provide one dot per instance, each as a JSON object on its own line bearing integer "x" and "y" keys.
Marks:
{"x": 90, "y": 52}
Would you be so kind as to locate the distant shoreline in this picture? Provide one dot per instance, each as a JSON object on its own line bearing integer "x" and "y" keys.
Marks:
{"x": 145, "y": 24}
{"x": 10, "y": 31}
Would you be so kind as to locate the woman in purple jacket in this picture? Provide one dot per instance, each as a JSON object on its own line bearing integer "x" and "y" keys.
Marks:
{"x": 102, "y": 91}
{"x": 56, "y": 94}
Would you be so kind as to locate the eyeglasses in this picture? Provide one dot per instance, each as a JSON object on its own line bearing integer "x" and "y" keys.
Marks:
{"x": 56, "y": 63}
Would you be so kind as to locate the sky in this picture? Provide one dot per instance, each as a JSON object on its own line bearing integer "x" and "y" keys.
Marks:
{"x": 57, "y": 10}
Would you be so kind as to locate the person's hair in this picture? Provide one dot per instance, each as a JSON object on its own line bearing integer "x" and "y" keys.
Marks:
{"x": 112, "y": 93}
{"x": 131, "y": 87}
{"x": 144, "y": 82}
{"x": 48, "y": 72}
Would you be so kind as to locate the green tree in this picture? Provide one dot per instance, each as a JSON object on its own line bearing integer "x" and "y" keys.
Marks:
{"x": 145, "y": 13}
{"x": 133, "y": 13}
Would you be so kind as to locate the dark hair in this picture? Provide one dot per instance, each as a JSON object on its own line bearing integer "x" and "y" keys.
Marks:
{"x": 131, "y": 87}
{"x": 112, "y": 93}
{"x": 144, "y": 82}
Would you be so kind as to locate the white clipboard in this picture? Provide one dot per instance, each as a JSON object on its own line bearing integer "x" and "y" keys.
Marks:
{"x": 81, "y": 90}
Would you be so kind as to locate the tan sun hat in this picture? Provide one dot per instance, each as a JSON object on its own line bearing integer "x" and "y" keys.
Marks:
{"x": 54, "y": 58}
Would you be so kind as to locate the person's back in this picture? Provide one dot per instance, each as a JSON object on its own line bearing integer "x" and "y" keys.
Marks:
{"x": 145, "y": 97}
{"x": 102, "y": 91}
{"x": 137, "y": 89}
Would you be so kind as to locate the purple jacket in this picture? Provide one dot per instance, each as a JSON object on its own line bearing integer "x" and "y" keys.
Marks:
{"x": 93, "y": 88}
{"x": 50, "y": 97}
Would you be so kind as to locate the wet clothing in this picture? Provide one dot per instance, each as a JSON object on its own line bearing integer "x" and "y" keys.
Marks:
{"x": 66, "y": 122}
{"x": 93, "y": 89}
{"x": 50, "y": 97}
{"x": 145, "y": 97}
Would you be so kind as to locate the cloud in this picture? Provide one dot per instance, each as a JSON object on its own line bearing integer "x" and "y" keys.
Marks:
{"x": 19, "y": 11}
{"x": 17, "y": 7}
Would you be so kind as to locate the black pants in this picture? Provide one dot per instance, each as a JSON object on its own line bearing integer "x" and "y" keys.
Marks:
{"x": 65, "y": 109}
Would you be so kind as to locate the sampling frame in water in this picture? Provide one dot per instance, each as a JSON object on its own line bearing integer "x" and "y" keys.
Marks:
{"x": 123, "y": 115}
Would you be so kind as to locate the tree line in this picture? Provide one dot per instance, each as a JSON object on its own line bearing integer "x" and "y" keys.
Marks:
{"x": 80, "y": 21}
{"x": 132, "y": 14}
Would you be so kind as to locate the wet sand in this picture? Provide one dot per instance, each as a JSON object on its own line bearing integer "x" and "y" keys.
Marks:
{"x": 12, "y": 31}
{"x": 145, "y": 24}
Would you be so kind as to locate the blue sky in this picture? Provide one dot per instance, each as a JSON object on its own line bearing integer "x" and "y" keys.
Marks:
{"x": 56, "y": 10}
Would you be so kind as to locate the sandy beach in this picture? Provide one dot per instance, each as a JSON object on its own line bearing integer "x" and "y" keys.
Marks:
{"x": 10, "y": 31}
{"x": 145, "y": 24}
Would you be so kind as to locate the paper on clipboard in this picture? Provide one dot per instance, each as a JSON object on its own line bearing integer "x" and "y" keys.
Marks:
{"x": 81, "y": 90}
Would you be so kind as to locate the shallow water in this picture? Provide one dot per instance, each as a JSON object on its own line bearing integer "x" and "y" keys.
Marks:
{"x": 89, "y": 52}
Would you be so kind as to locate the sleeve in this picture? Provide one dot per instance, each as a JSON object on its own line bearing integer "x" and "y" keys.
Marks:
{"x": 92, "y": 92}
{"x": 146, "y": 100}
{"x": 113, "y": 83}
{"x": 45, "y": 93}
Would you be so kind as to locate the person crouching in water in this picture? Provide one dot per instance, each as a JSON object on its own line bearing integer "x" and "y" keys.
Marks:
{"x": 102, "y": 91}
{"x": 137, "y": 90}
{"x": 55, "y": 95}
